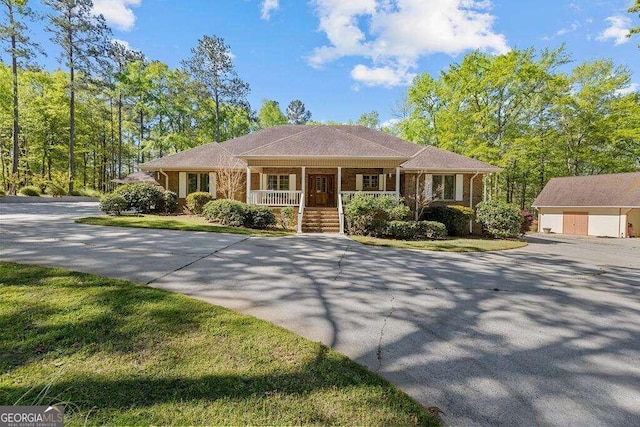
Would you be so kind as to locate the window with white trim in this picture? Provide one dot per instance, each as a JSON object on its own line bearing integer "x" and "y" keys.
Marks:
{"x": 444, "y": 187}
{"x": 278, "y": 182}
{"x": 370, "y": 182}
{"x": 197, "y": 182}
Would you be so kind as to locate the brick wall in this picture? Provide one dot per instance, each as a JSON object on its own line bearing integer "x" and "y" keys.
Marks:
{"x": 408, "y": 190}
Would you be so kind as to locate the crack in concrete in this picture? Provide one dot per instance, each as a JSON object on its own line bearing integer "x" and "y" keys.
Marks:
{"x": 344, "y": 253}
{"x": 196, "y": 260}
{"x": 384, "y": 324}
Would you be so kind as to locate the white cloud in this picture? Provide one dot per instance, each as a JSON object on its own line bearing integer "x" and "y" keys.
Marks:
{"x": 387, "y": 76}
{"x": 569, "y": 29}
{"x": 633, "y": 87}
{"x": 394, "y": 34}
{"x": 117, "y": 12}
{"x": 269, "y": 6}
{"x": 390, "y": 123}
{"x": 619, "y": 27}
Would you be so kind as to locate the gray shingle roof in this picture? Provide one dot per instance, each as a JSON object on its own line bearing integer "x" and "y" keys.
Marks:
{"x": 299, "y": 141}
{"x": 613, "y": 190}
{"x": 262, "y": 137}
{"x": 203, "y": 157}
{"x": 326, "y": 141}
{"x": 434, "y": 158}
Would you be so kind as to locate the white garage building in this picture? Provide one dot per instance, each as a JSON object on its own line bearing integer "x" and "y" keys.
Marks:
{"x": 597, "y": 205}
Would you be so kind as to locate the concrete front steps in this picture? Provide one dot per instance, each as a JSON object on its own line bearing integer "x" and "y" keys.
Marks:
{"x": 320, "y": 220}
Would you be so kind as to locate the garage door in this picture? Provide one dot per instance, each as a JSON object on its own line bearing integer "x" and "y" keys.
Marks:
{"x": 575, "y": 223}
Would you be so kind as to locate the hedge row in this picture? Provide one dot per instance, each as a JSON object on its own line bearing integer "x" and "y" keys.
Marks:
{"x": 238, "y": 214}
{"x": 383, "y": 217}
{"x": 141, "y": 198}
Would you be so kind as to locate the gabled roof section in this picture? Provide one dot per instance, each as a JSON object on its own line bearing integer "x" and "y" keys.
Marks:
{"x": 262, "y": 137}
{"x": 327, "y": 141}
{"x": 613, "y": 190}
{"x": 387, "y": 140}
{"x": 205, "y": 157}
{"x": 437, "y": 159}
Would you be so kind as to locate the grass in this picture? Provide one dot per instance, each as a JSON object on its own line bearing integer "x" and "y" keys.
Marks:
{"x": 185, "y": 223}
{"x": 453, "y": 244}
{"x": 122, "y": 354}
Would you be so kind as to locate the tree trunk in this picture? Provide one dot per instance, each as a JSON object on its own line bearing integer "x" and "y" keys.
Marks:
{"x": 141, "y": 137}
{"x": 72, "y": 117}
{"x": 16, "y": 127}
{"x": 4, "y": 172}
{"x": 119, "y": 135}
{"x": 217, "y": 100}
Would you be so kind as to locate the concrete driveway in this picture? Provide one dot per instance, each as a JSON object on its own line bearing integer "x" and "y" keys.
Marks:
{"x": 545, "y": 335}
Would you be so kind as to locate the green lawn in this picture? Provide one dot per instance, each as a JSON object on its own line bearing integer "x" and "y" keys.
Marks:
{"x": 122, "y": 354}
{"x": 453, "y": 244}
{"x": 185, "y": 223}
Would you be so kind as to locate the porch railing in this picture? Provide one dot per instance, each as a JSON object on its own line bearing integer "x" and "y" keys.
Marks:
{"x": 348, "y": 195}
{"x": 300, "y": 214}
{"x": 275, "y": 198}
{"x": 341, "y": 213}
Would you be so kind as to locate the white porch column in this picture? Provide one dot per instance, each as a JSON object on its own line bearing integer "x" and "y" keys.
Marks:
{"x": 398, "y": 183}
{"x": 248, "y": 185}
{"x": 303, "y": 184}
{"x": 339, "y": 179}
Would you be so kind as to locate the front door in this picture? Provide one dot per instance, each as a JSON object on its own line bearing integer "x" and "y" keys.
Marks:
{"x": 321, "y": 190}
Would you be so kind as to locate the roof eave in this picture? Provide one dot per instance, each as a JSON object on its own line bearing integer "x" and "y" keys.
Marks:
{"x": 467, "y": 170}
{"x": 188, "y": 168}
{"x": 405, "y": 158}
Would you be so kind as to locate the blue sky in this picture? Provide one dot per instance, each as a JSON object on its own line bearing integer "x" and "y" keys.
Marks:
{"x": 346, "y": 57}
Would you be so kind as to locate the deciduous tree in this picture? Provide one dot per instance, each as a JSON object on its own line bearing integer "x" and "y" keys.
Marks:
{"x": 270, "y": 114}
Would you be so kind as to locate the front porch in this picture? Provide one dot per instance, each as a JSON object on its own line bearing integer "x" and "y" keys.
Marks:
{"x": 318, "y": 187}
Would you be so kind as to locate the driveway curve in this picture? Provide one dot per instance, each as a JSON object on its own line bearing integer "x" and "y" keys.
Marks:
{"x": 544, "y": 335}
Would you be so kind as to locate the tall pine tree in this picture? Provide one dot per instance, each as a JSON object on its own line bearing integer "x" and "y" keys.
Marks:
{"x": 21, "y": 50}
{"x": 211, "y": 65}
{"x": 82, "y": 37}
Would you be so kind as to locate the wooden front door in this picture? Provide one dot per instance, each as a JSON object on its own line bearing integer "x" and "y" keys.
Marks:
{"x": 575, "y": 223}
{"x": 321, "y": 190}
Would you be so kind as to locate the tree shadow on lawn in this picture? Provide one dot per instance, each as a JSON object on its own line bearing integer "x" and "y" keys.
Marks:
{"x": 197, "y": 353}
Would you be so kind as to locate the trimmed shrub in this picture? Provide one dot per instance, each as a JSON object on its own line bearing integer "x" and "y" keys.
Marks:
{"x": 368, "y": 215}
{"x": 527, "y": 221}
{"x": 196, "y": 201}
{"x": 286, "y": 217}
{"x": 30, "y": 191}
{"x": 170, "y": 202}
{"x": 499, "y": 219}
{"x": 259, "y": 217}
{"x": 2, "y": 193}
{"x": 226, "y": 212}
{"x": 143, "y": 198}
{"x": 455, "y": 217}
{"x": 112, "y": 204}
{"x": 415, "y": 230}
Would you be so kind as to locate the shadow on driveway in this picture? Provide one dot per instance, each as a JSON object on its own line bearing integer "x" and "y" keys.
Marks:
{"x": 547, "y": 334}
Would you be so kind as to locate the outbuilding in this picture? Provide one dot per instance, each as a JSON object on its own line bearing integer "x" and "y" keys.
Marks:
{"x": 596, "y": 205}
